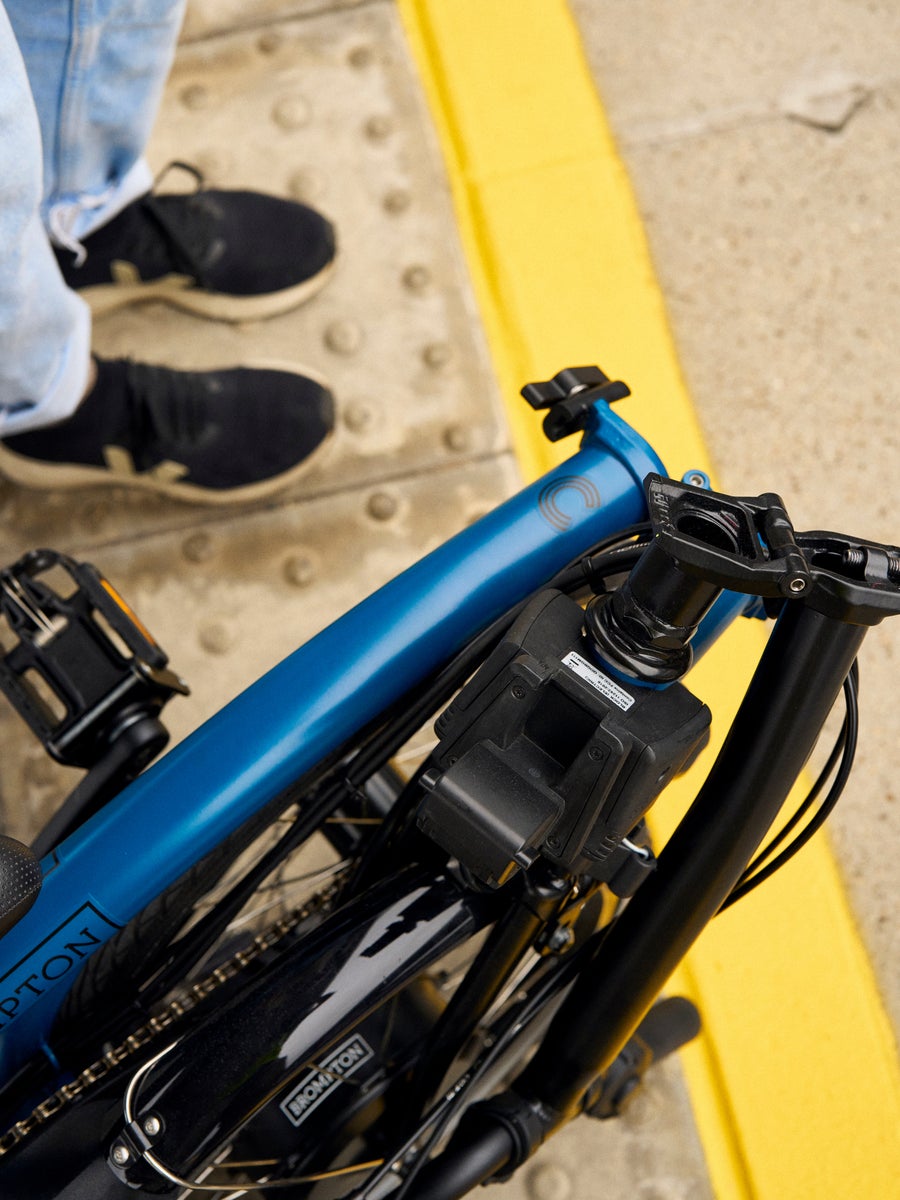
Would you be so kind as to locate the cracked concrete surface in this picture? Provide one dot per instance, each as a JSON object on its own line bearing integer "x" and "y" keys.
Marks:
{"x": 777, "y": 245}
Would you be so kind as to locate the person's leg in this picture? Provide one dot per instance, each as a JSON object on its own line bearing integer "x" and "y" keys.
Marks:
{"x": 67, "y": 420}
{"x": 97, "y": 70}
{"x": 44, "y": 327}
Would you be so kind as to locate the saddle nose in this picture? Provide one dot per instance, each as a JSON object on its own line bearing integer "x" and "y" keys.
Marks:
{"x": 20, "y": 881}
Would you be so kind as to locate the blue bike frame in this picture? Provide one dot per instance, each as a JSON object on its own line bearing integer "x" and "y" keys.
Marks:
{"x": 305, "y": 709}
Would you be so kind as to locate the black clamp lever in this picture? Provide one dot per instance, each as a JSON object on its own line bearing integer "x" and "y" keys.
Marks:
{"x": 704, "y": 542}
{"x": 749, "y": 545}
{"x": 570, "y": 395}
{"x": 746, "y": 544}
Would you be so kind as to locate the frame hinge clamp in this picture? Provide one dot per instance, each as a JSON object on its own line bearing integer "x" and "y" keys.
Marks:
{"x": 570, "y": 397}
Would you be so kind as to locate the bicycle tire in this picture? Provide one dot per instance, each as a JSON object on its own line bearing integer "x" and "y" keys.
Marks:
{"x": 102, "y": 982}
{"x": 87, "y": 1016}
{"x": 107, "y": 983}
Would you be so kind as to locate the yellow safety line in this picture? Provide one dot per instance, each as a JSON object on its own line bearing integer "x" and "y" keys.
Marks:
{"x": 795, "y": 1084}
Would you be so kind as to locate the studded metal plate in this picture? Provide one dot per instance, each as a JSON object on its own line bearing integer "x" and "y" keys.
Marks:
{"x": 324, "y": 108}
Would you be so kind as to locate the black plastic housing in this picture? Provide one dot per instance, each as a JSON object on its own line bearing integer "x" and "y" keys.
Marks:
{"x": 82, "y": 667}
{"x": 544, "y": 753}
{"x": 20, "y": 882}
{"x": 749, "y": 545}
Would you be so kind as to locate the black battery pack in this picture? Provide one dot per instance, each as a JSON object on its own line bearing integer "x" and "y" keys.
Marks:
{"x": 545, "y": 752}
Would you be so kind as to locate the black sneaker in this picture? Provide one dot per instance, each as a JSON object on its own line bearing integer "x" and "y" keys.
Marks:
{"x": 234, "y": 256}
{"x": 209, "y": 436}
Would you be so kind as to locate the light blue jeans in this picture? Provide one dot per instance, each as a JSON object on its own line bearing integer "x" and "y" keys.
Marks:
{"x": 80, "y": 84}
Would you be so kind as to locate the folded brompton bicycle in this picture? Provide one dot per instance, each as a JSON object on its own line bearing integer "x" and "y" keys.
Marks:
{"x": 480, "y": 958}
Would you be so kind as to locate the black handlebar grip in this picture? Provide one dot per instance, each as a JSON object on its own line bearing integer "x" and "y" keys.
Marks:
{"x": 669, "y": 1024}
{"x": 20, "y": 881}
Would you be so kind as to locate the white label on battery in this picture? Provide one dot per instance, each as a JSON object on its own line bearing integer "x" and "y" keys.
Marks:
{"x": 606, "y": 686}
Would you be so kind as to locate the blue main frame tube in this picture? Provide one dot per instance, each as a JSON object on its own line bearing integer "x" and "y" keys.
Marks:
{"x": 300, "y": 712}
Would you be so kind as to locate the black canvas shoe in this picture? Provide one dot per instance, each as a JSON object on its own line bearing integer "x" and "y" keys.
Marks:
{"x": 230, "y": 255}
{"x": 208, "y": 436}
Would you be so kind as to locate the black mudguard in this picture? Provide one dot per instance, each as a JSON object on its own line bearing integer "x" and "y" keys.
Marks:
{"x": 272, "y": 1057}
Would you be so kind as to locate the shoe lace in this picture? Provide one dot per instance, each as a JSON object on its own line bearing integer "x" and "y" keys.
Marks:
{"x": 186, "y": 229}
{"x": 166, "y": 409}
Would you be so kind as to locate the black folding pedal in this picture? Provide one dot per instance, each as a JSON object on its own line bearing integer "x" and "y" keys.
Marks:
{"x": 84, "y": 673}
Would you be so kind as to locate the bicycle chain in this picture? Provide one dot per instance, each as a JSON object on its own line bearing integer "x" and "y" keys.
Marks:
{"x": 170, "y": 1014}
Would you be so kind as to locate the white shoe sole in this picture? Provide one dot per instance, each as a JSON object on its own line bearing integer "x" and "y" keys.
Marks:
{"x": 44, "y": 475}
{"x": 179, "y": 291}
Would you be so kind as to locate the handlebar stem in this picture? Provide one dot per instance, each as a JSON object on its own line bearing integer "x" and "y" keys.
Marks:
{"x": 792, "y": 691}
{"x": 644, "y": 629}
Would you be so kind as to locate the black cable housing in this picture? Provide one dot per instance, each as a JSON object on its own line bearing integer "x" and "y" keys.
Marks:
{"x": 845, "y": 748}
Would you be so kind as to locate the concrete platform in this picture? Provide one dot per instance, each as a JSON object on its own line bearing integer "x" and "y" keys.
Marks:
{"x": 764, "y": 149}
